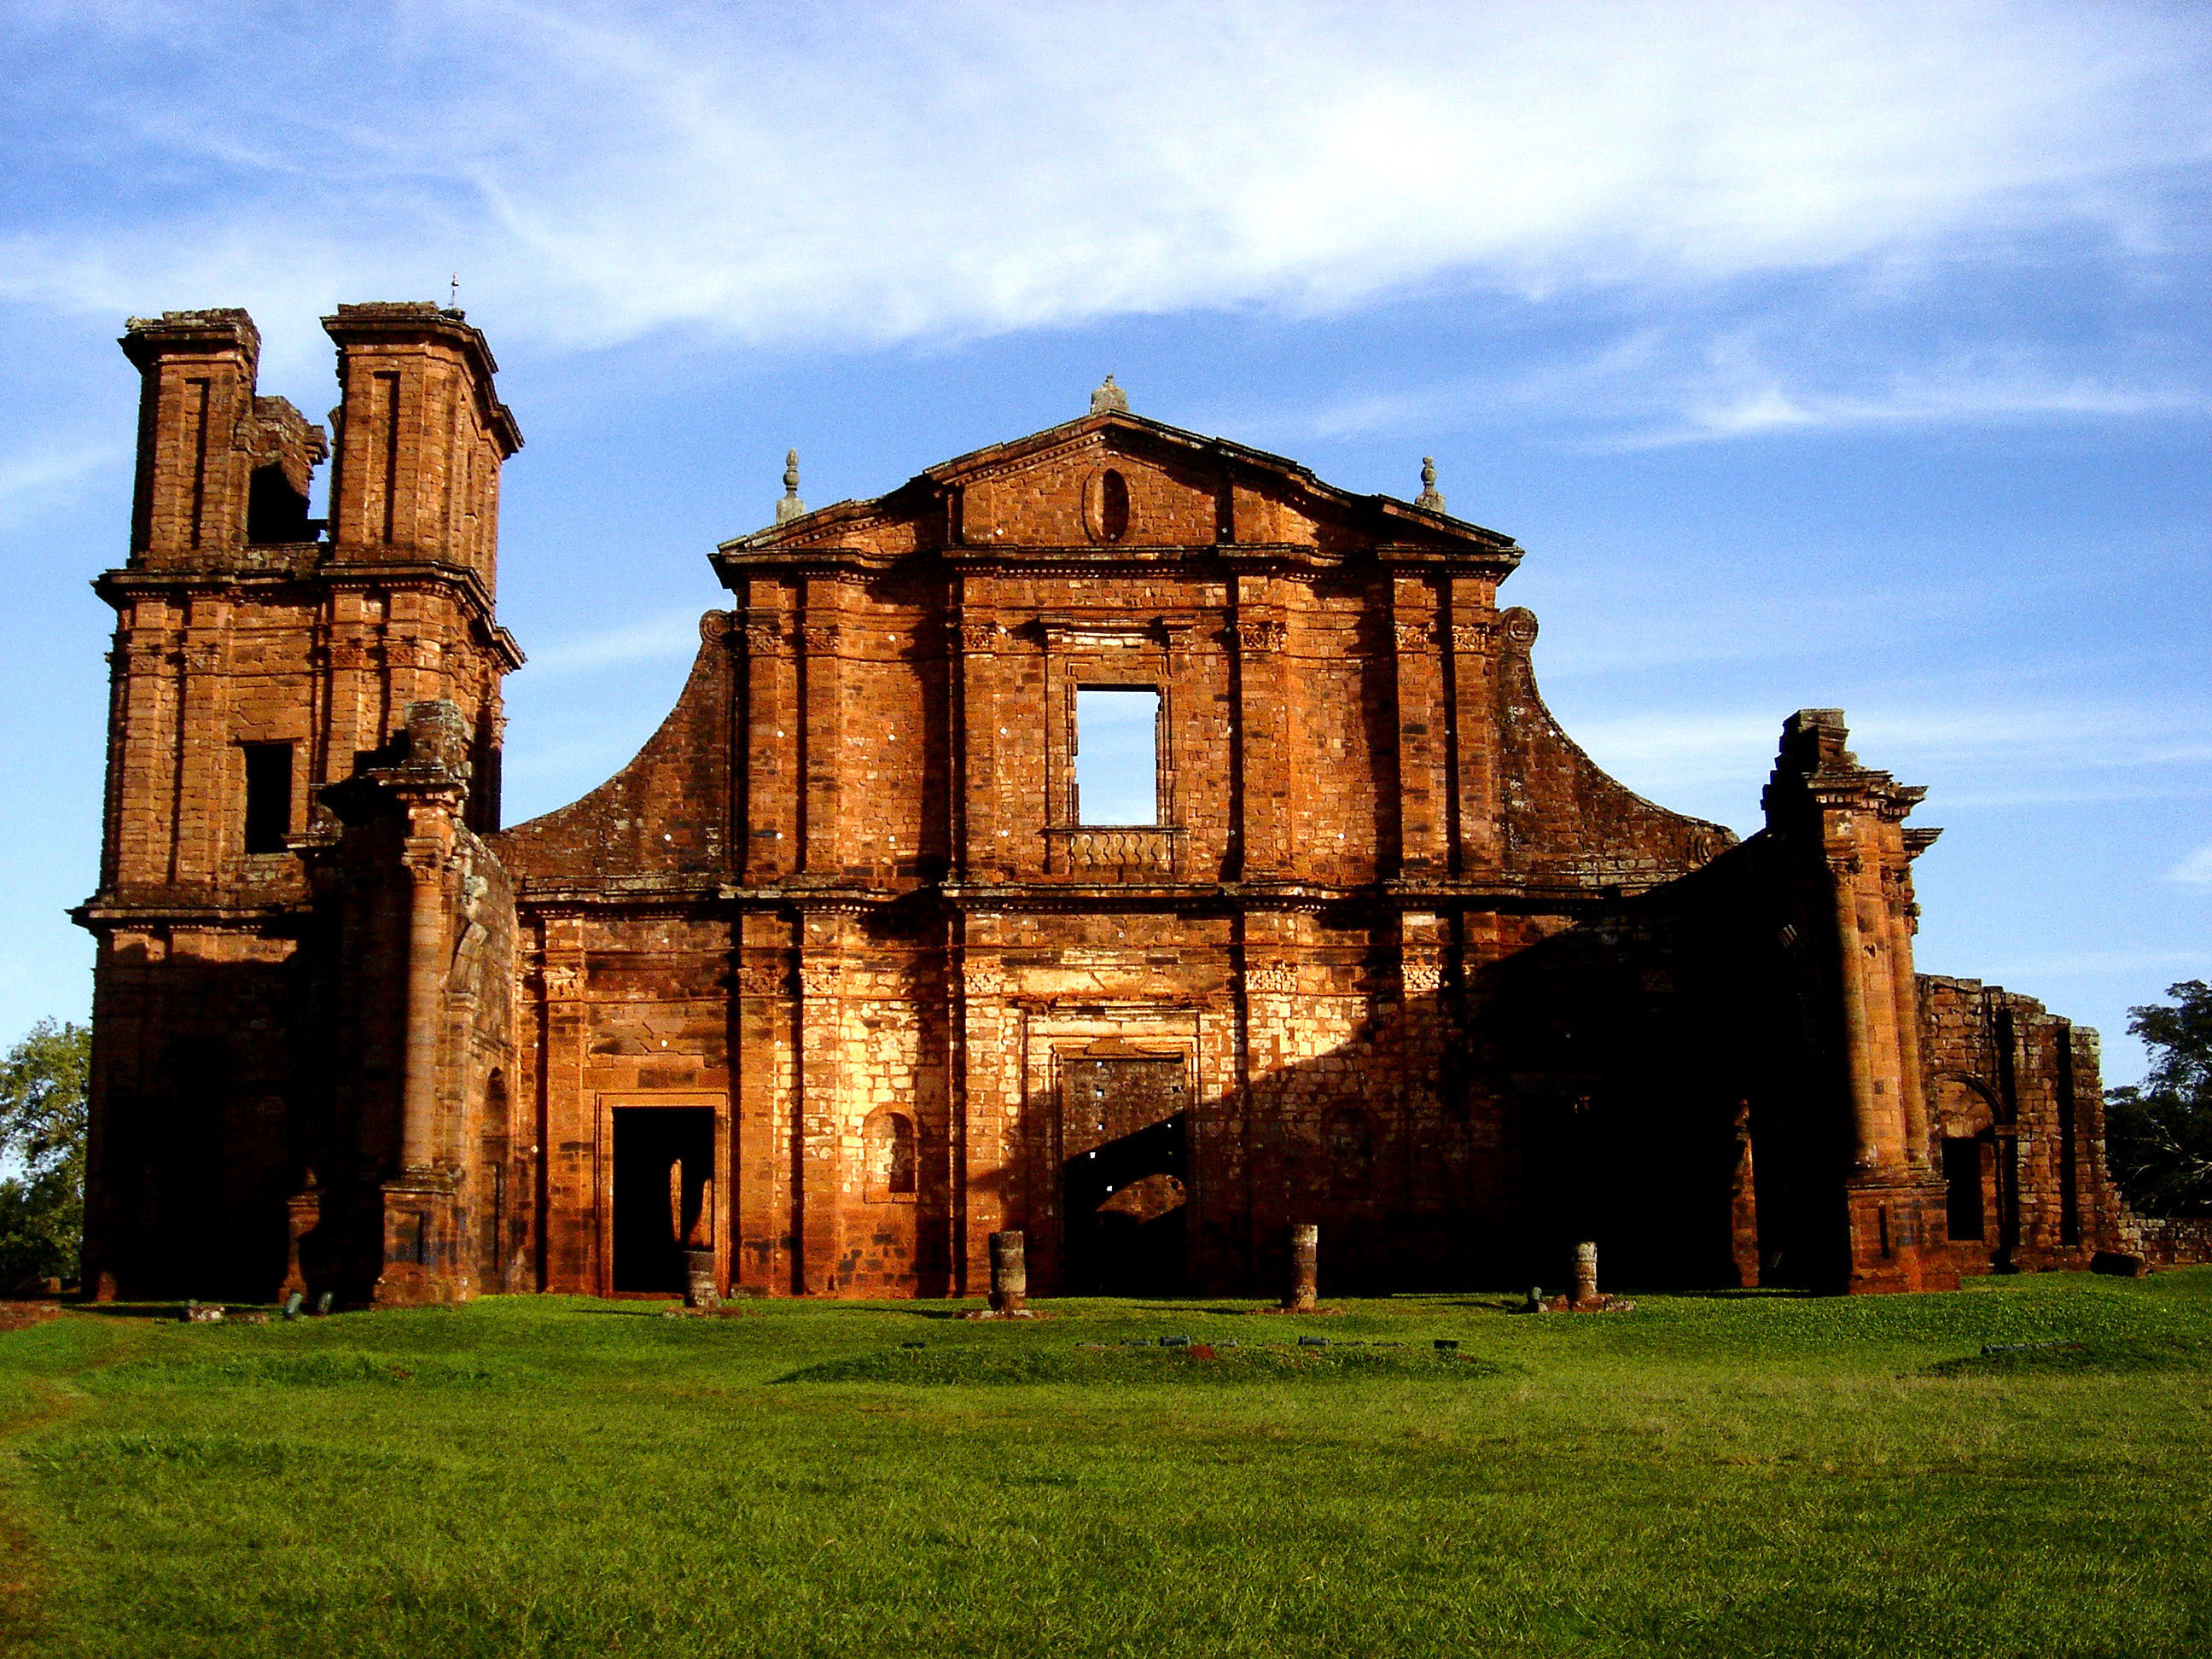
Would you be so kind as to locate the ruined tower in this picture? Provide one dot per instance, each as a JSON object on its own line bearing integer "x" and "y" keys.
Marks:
{"x": 260, "y": 657}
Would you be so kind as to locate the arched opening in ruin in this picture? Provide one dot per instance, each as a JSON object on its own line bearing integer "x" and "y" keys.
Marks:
{"x": 1966, "y": 1112}
{"x": 887, "y": 1140}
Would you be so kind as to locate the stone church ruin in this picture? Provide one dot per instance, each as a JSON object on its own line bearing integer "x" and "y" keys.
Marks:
{"x": 841, "y": 975}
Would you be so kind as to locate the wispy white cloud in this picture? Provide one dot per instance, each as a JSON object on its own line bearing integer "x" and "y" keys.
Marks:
{"x": 1774, "y": 408}
{"x": 1791, "y": 373}
{"x": 875, "y": 172}
{"x": 2195, "y": 871}
{"x": 32, "y": 480}
{"x": 672, "y": 634}
{"x": 2013, "y": 751}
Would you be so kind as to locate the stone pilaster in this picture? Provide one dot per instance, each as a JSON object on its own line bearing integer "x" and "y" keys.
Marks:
{"x": 1424, "y": 786}
{"x": 1264, "y": 725}
{"x": 824, "y": 1148}
{"x": 988, "y": 1085}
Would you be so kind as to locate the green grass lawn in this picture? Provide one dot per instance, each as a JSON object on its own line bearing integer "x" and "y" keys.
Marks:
{"x": 1753, "y": 1474}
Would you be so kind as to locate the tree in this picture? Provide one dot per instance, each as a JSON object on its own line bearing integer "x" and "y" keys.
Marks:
{"x": 2158, "y": 1138}
{"x": 42, "y": 1120}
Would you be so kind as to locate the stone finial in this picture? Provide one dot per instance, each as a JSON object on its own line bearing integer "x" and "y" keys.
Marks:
{"x": 1428, "y": 497}
{"x": 790, "y": 506}
{"x": 1110, "y": 396}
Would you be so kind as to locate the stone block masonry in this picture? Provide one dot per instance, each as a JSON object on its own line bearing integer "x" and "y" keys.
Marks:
{"x": 834, "y": 982}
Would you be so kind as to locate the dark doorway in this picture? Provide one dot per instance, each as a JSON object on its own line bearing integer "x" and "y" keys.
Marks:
{"x": 664, "y": 1193}
{"x": 1122, "y": 1116}
{"x": 1962, "y": 1188}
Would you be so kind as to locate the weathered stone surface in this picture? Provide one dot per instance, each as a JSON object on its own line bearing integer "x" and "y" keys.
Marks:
{"x": 1009, "y": 1274}
{"x": 840, "y": 962}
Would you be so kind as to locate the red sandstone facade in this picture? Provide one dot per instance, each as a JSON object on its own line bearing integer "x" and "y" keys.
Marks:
{"x": 835, "y": 979}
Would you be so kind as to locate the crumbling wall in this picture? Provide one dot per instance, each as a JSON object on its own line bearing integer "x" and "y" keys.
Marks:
{"x": 2016, "y": 1123}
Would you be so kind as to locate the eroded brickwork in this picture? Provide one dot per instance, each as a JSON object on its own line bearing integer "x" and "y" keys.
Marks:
{"x": 2016, "y": 1127}
{"x": 836, "y": 978}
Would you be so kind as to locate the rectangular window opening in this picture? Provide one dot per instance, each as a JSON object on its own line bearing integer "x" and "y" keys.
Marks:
{"x": 1117, "y": 755}
{"x": 268, "y": 796}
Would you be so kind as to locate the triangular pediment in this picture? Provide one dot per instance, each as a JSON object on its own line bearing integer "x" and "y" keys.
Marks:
{"x": 1113, "y": 481}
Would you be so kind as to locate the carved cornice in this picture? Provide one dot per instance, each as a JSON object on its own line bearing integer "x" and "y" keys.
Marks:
{"x": 337, "y": 572}
{"x": 1089, "y": 441}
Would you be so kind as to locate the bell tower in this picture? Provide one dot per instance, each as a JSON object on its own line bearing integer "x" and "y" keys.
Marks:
{"x": 256, "y": 660}
{"x": 412, "y": 563}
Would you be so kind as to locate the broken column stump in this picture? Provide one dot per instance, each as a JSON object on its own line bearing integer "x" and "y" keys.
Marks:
{"x": 1010, "y": 1275}
{"x": 699, "y": 1289}
{"x": 1585, "y": 1272}
{"x": 1305, "y": 1268}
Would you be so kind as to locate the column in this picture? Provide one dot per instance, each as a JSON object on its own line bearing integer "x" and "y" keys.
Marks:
{"x": 764, "y": 1224}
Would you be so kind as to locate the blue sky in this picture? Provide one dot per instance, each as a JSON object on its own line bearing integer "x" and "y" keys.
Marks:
{"x": 1843, "y": 356}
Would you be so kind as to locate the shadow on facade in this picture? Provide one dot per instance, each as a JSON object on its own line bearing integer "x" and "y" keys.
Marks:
{"x": 205, "y": 1136}
{"x": 1655, "y": 1078}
